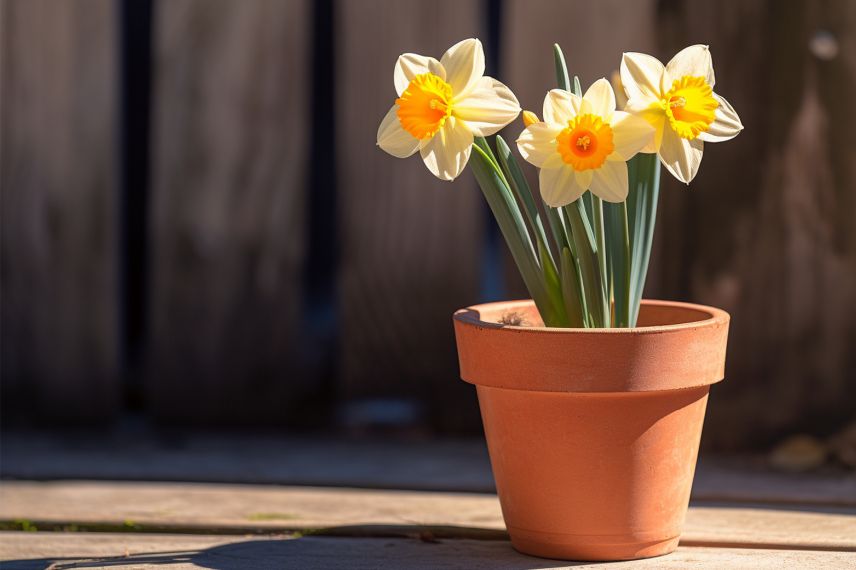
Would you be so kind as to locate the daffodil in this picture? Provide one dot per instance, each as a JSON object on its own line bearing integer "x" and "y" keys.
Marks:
{"x": 678, "y": 101}
{"x": 583, "y": 143}
{"x": 442, "y": 105}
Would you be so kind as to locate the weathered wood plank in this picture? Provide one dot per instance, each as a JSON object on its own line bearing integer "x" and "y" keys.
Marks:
{"x": 58, "y": 323}
{"x": 439, "y": 465}
{"x": 25, "y": 551}
{"x": 410, "y": 244}
{"x": 765, "y": 231}
{"x": 249, "y": 508}
{"x": 229, "y": 171}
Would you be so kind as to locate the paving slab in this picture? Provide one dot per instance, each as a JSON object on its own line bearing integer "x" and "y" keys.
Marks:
{"x": 58, "y": 551}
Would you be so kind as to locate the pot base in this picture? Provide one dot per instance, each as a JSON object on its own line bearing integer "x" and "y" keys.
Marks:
{"x": 588, "y": 548}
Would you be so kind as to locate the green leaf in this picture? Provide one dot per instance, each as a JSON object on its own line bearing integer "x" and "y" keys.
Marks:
{"x": 574, "y": 298}
{"x": 585, "y": 255}
{"x": 554, "y": 286}
{"x": 481, "y": 142}
{"x": 618, "y": 250}
{"x": 513, "y": 228}
{"x": 600, "y": 252}
{"x": 521, "y": 189}
{"x": 561, "y": 69}
{"x": 578, "y": 89}
{"x": 557, "y": 228}
{"x": 644, "y": 181}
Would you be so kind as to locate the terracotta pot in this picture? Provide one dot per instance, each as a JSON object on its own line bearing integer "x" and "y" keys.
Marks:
{"x": 593, "y": 433}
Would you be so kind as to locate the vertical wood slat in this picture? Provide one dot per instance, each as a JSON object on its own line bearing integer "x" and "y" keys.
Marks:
{"x": 230, "y": 152}
{"x": 766, "y": 230}
{"x": 410, "y": 244}
{"x": 58, "y": 184}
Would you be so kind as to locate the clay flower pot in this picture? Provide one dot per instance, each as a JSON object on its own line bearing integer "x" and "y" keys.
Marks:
{"x": 593, "y": 433}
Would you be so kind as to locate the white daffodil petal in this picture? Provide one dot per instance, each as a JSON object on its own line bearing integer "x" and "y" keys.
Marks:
{"x": 694, "y": 61}
{"x": 537, "y": 143}
{"x": 601, "y": 98}
{"x": 561, "y": 106}
{"x": 725, "y": 126}
{"x": 393, "y": 139}
{"x": 680, "y": 156}
{"x": 609, "y": 182}
{"x": 654, "y": 115}
{"x": 630, "y": 134}
{"x": 488, "y": 107}
{"x": 641, "y": 75}
{"x": 559, "y": 186}
{"x": 409, "y": 65}
{"x": 584, "y": 178}
{"x": 446, "y": 153}
{"x": 464, "y": 65}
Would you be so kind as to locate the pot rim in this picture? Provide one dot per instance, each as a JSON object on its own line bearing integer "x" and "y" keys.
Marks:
{"x": 714, "y": 316}
{"x": 549, "y": 359}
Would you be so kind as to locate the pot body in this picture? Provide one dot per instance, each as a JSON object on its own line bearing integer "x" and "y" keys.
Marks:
{"x": 593, "y": 434}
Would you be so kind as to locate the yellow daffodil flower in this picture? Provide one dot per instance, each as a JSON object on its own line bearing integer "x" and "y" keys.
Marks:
{"x": 678, "y": 101}
{"x": 442, "y": 105}
{"x": 583, "y": 143}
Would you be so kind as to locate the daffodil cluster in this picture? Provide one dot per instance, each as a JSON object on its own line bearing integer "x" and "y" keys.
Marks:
{"x": 584, "y": 253}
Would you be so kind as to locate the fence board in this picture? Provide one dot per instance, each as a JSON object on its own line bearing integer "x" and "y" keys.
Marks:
{"x": 58, "y": 178}
{"x": 411, "y": 244}
{"x": 765, "y": 231}
{"x": 231, "y": 122}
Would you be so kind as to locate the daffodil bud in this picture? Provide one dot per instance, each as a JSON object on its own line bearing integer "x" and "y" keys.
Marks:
{"x": 530, "y": 118}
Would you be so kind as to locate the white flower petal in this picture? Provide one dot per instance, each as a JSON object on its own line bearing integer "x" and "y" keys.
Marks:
{"x": 641, "y": 76}
{"x": 464, "y": 65}
{"x": 561, "y": 106}
{"x": 630, "y": 134}
{"x": 601, "y": 98}
{"x": 446, "y": 153}
{"x": 394, "y": 139}
{"x": 584, "y": 178}
{"x": 654, "y": 115}
{"x": 409, "y": 65}
{"x": 537, "y": 143}
{"x": 609, "y": 182}
{"x": 694, "y": 61}
{"x": 725, "y": 126}
{"x": 680, "y": 156}
{"x": 488, "y": 107}
{"x": 559, "y": 186}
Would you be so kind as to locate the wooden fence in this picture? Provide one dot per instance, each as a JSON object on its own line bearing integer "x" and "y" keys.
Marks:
{"x": 282, "y": 266}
